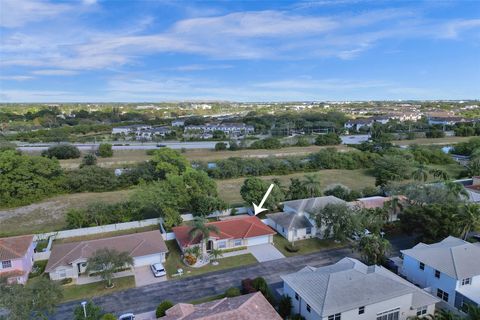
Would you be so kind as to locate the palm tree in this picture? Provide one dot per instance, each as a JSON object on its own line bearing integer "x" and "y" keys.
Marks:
{"x": 420, "y": 173}
{"x": 216, "y": 253}
{"x": 473, "y": 312}
{"x": 456, "y": 189}
{"x": 312, "y": 185}
{"x": 469, "y": 219}
{"x": 106, "y": 262}
{"x": 440, "y": 174}
{"x": 201, "y": 228}
{"x": 374, "y": 248}
{"x": 392, "y": 206}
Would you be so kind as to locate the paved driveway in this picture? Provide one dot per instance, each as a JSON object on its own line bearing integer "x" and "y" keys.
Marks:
{"x": 265, "y": 252}
{"x": 144, "y": 276}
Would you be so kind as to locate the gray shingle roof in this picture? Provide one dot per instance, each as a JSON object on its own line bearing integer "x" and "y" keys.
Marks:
{"x": 452, "y": 256}
{"x": 350, "y": 284}
{"x": 311, "y": 205}
{"x": 290, "y": 220}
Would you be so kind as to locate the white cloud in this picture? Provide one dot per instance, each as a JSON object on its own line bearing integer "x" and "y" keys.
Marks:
{"x": 16, "y": 78}
{"x": 15, "y": 13}
{"x": 54, "y": 72}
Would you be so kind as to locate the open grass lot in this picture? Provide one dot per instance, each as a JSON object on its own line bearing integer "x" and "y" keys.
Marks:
{"x": 174, "y": 262}
{"x": 120, "y": 159}
{"x": 305, "y": 246}
{"x": 86, "y": 291}
{"x": 49, "y": 215}
{"x": 229, "y": 189}
{"x": 432, "y": 141}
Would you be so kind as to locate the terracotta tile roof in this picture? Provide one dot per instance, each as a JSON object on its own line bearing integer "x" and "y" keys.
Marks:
{"x": 136, "y": 244}
{"x": 14, "y": 247}
{"x": 236, "y": 228}
{"x": 252, "y": 306}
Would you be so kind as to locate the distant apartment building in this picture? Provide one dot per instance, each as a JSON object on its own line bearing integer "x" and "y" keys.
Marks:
{"x": 234, "y": 129}
{"x": 129, "y": 129}
{"x": 447, "y": 121}
{"x": 357, "y": 124}
{"x": 449, "y": 269}
{"x": 178, "y": 123}
{"x": 142, "y": 132}
{"x": 351, "y": 290}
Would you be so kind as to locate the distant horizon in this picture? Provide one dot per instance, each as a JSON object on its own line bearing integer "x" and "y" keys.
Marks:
{"x": 100, "y": 51}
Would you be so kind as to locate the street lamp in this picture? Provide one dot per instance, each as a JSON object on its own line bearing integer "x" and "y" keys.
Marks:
{"x": 84, "y": 303}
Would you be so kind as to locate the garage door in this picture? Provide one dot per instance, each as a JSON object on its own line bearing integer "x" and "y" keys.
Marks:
{"x": 257, "y": 240}
{"x": 147, "y": 260}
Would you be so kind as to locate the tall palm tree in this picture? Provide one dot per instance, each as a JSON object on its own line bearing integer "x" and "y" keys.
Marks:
{"x": 469, "y": 219}
{"x": 201, "y": 228}
{"x": 440, "y": 174}
{"x": 393, "y": 206}
{"x": 312, "y": 185}
{"x": 420, "y": 173}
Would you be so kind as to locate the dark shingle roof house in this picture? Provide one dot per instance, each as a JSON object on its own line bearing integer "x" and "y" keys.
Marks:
{"x": 252, "y": 306}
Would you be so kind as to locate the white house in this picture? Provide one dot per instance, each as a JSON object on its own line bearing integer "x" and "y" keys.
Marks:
{"x": 450, "y": 269}
{"x": 297, "y": 221}
{"x": 128, "y": 129}
{"x": 351, "y": 290}
{"x": 69, "y": 260}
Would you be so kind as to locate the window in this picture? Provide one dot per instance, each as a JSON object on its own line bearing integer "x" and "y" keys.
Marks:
{"x": 296, "y": 296}
{"x": 389, "y": 315}
{"x": 337, "y": 316}
{"x": 237, "y": 242}
{"x": 308, "y": 308}
{"x": 6, "y": 264}
{"x": 361, "y": 310}
{"x": 422, "y": 266}
{"x": 222, "y": 244}
{"x": 309, "y": 231}
{"x": 442, "y": 295}
{"x": 466, "y": 281}
{"x": 62, "y": 273}
{"x": 421, "y": 311}
{"x": 437, "y": 274}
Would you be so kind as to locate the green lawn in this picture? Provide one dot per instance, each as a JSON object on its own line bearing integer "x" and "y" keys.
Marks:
{"x": 174, "y": 262}
{"x": 86, "y": 291}
{"x": 229, "y": 189}
{"x": 305, "y": 246}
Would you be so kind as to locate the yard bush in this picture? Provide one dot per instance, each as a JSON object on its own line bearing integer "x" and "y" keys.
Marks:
{"x": 247, "y": 286}
{"x": 66, "y": 281}
{"x": 232, "y": 292}
{"x": 291, "y": 248}
{"x": 108, "y": 316}
{"x": 162, "y": 307}
{"x": 220, "y": 146}
{"x": 62, "y": 151}
{"x": 38, "y": 268}
{"x": 91, "y": 178}
{"x": 190, "y": 259}
{"x": 328, "y": 139}
{"x": 105, "y": 150}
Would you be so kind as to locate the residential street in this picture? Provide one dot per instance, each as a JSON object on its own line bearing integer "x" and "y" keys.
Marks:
{"x": 147, "y": 298}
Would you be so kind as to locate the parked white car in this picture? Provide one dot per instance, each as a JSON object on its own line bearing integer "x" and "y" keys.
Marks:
{"x": 158, "y": 270}
{"x": 127, "y": 316}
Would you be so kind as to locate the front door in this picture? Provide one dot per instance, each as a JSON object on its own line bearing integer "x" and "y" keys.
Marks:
{"x": 209, "y": 245}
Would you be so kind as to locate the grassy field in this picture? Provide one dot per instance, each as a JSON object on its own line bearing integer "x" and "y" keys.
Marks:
{"x": 49, "y": 215}
{"x": 86, "y": 291}
{"x": 229, "y": 189}
{"x": 432, "y": 141}
{"x": 305, "y": 246}
{"x": 174, "y": 262}
{"x": 120, "y": 159}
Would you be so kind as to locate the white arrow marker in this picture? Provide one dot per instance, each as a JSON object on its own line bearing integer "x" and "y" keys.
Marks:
{"x": 259, "y": 208}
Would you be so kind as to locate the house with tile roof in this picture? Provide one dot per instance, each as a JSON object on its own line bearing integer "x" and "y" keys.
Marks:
{"x": 296, "y": 221}
{"x": 252, "y": 306}
{"x": 234, "y": 232}
{"x": 379, "y": 202}
{"x": 351, "y": 290}
{"x": 16, "y": 258}
{"x": 69, "y": 260}
{"x": 450, "y": 269}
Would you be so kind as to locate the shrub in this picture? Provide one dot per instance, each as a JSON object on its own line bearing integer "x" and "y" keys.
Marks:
{"x": 108, "y": 316}
{"x": 328, "y": 139}
{"x": 88, "y": 160}
{"x": 190, "y": 259}
{"x": 268, "y": 143}
{"x": 233, "y": 146}
{"x": 66, "y": 281}
{"x": 162, "y": 307}
{"x": 291, "y": 248}
{"x": 62, "y": 151}
{"x": 91, "y": 178}
{"x": 247, "y": 286}
{"x": 285, "y": 306}
{"x": 232, "y": 292}
{"x": 105, "y": 150}
{"x": 220, "y": 146}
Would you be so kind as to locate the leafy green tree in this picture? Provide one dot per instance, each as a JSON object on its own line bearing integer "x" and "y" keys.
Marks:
{"x": 253, "y": 190}
{"x": 312, "y": 186}
{"x": 162, "y": 307}
{"x": 105, "y": 150}
{"x": 25, "y": 179}
{"x": 93, "y": 312}
{"x": 91, "y": 178}
{"x": 220, "y": 146}
{"x": 268, "y": 143}
{"x": 439, "y": 174}
{"x": 62, "y": 151}
{"x": 420, "y": 173}
{"x": 169, "y": 161}
{"x": 391, "y": 168}
{"x": 374, "y": 248}
{"x": 36, "y": 300}
{"x": 342, "y": 192}
{"x": 106, "y": 262}
{"x": 338, "y": 220}
{"x": 328, "y": 139}
{"x": 88, "y": 160}
{"x": 473, "y": 167}
{"x": 201, "y": 228}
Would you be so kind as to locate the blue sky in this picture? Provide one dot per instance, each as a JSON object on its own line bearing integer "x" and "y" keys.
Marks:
{"x": 134, "y": 51}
